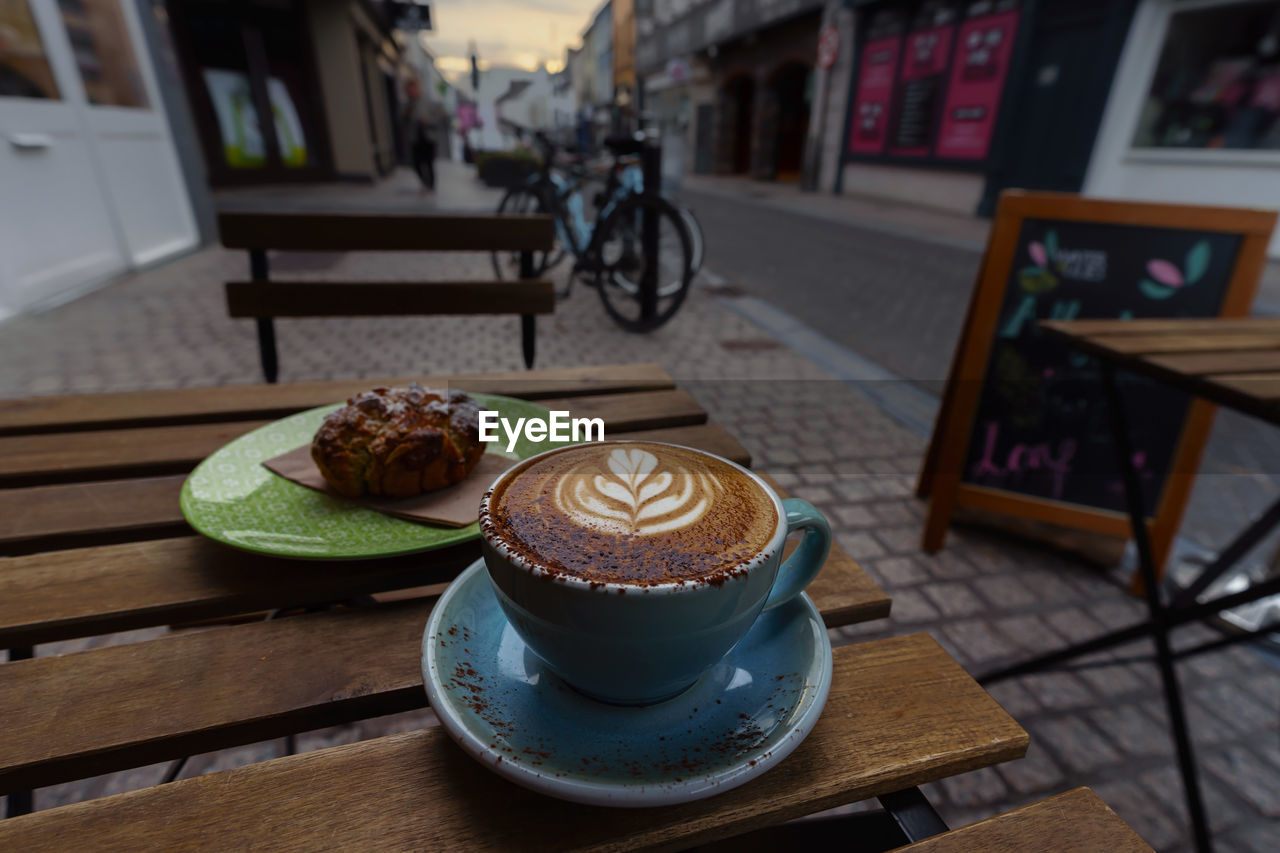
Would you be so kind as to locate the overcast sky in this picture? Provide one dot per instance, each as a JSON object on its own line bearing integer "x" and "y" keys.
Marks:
{"x": 526, "y": 33}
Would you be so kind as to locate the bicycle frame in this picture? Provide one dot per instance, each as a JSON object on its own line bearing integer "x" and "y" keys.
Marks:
{"x": 568, "y": 210}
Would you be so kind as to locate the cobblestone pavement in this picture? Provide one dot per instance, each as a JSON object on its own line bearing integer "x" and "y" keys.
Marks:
{"x": 892, "y": 284}
{"x": 985, "y": 598}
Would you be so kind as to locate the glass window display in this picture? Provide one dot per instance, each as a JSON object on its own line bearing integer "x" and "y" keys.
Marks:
{"x": 1217, "y": 83}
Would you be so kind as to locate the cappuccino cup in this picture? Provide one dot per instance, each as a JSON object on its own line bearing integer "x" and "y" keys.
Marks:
{"x": 630, "y": 567}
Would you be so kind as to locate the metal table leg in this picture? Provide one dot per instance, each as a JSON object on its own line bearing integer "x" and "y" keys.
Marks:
{"x": 20, "y": 802}
{"x": 1257, "y": 530}
{"x": 1156, "y": 609}
{"x": 1174, "y": 618}
{"x": 913, "y": 814}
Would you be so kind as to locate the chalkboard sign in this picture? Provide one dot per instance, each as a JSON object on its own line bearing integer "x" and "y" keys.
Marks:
{"x": 1024, "y": 427}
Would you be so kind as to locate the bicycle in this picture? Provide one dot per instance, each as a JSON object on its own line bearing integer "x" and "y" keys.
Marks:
{"x": 639, "y": 249}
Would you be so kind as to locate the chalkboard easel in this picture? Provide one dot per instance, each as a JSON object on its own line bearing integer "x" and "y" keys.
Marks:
{"x": 1022, "y": 427}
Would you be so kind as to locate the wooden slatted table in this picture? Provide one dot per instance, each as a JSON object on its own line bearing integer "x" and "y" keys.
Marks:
{"x": 1074, "y": 822}
{"x": 1231, "y": 362}
{"x": 1235, "y": 362}
{"x": 93, "y": 543}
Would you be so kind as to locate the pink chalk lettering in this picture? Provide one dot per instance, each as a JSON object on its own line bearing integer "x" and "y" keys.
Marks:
{"x": 1026, "y": 457}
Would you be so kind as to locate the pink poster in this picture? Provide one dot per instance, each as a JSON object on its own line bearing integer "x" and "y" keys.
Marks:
{"x": 983, "y": 49}
{"x": 467, "y": 117}
{"x": 875, "y": 94}
{"x": 920, "y": 83}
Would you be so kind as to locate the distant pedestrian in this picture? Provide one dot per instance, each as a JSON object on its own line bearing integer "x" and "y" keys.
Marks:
{"x": 585, "y": 118}
{"x": 423, "y": 119}
{"x": 424, "y": 153}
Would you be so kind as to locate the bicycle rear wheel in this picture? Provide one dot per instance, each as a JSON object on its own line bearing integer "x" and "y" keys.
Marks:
{"x": 526, "y": 199}
{"x": 695, "y": 235}
{"x": 624, "y": 270}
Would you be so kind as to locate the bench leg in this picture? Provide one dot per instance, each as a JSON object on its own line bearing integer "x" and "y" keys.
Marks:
{"x": 528, "y": 337}
{"x": 267, "y": 348}
{"x": 260, "y": 270}
{"x": 528, "y": 323}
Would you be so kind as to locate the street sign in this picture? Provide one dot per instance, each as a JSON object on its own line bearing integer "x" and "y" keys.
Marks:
{"x": 409, "y": 15}
{"x": 828, "y": 46}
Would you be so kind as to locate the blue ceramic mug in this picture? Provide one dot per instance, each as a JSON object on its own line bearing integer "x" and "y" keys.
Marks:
{"x": 631, "y": 645}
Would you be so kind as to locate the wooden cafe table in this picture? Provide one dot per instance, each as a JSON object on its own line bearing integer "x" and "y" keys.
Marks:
{"x": 93, "y": 543}
{"x": 1230, "y": 362}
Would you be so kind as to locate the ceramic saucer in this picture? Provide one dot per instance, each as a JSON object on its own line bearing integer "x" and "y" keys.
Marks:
{"x": 501, "y": 704}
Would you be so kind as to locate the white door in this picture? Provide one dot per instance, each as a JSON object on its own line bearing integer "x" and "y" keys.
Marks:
{"x": 57, "y": 227}
{"x": 89, "y": 181}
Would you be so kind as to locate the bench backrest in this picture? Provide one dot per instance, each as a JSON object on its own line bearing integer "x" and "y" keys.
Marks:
{"x": 383, "y": 232}
{"x": 264, "y": 299}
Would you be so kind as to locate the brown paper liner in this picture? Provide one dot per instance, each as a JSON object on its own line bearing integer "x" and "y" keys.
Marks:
{"x": 455, "y": 506}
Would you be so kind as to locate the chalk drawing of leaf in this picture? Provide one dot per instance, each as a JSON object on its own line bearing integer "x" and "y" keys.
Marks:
{"x": 1197, "y": 261}
{"x": 1036, "y": 250}
{"x": 1155, "y": 291}
{"x": 1036, "y": 279}
{"x": 1164, "y": 272}
{"x": 1051, "y": 244}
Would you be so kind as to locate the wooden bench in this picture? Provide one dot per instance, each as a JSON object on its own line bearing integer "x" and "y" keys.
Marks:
{"x": 265, "y": 299}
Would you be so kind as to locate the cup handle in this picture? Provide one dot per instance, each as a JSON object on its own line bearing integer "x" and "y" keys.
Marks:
{"x": 807, "y": 560}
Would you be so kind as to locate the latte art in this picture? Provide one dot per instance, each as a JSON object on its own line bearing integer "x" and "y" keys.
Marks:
{"x": 637, "y": 495}
{"x": 630, "y": 512}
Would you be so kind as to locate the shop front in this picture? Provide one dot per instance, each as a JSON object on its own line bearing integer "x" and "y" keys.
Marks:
{"x": 764, "y": 99}
{"x": 735, "y": 85}
{"x": 1195, "y": 113}
{"x": 954, "y": 100}
{"x": 289, "y": 90}
{"x": 677, "y": 101}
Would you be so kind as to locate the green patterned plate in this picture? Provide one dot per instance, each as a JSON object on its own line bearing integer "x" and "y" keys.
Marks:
{"x": 230, "y": 497}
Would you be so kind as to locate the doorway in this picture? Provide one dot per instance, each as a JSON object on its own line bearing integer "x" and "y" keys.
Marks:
{"x": 791, "y": 85}
{"x": 1072, "y": 56}
{"x": 737, "y": 114}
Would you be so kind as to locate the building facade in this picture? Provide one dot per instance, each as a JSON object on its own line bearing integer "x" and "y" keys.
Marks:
{"x": 600, "y": 37}
{"x": 1194, "y": 115}
{"x": 626, "y": 96}
{"x": 951, "y": 102}
{"x": 734, "y": 82}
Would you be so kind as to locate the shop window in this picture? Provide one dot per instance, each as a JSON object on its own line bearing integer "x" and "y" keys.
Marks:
{"x": 24, "y": 67}
{"x": 1217, "y": 84}
{"x": 249, "y": 58}
{"x": 103, "y": 52}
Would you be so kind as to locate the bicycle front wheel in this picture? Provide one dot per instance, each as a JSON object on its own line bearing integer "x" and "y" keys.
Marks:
{"x": 526, "y": 199}
{"x": 645, "y": 263}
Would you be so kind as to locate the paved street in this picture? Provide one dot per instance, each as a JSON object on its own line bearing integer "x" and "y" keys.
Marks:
{"x": 987, "y": 599}
{"x": 900, "y": 301}
{"x": 895, "y": 300}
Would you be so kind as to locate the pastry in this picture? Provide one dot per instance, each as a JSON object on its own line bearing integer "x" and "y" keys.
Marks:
{"x": 399, "y": 442}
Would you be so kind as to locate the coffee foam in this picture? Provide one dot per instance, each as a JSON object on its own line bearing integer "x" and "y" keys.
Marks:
{"x": 631, "y": 512}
